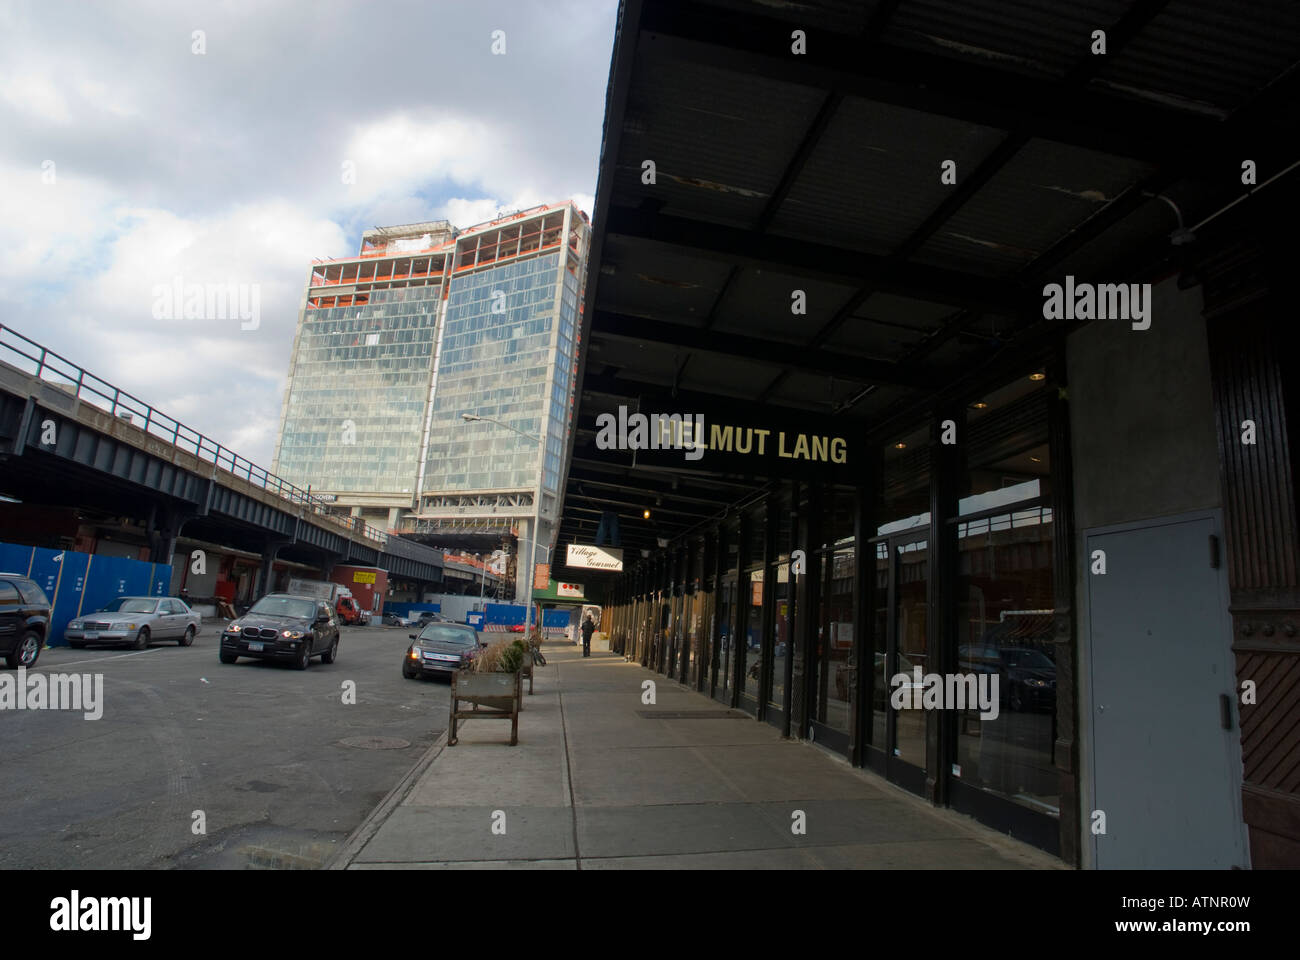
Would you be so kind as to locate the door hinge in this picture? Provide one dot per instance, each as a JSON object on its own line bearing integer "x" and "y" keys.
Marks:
{"x": 1214, "y": 552}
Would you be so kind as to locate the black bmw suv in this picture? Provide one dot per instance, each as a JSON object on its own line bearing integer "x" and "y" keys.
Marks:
{"x": 24, "y": 619}
{"x": 283, "y": 627}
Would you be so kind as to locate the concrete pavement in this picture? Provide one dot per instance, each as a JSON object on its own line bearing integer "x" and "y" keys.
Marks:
{"x": 601, "y": 780}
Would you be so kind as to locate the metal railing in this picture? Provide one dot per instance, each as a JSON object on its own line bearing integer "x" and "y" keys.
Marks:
{"x": 58, "y": 371}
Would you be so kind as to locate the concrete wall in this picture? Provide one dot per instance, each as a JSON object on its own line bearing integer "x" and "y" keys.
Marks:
{"x": 1141, "y": 414}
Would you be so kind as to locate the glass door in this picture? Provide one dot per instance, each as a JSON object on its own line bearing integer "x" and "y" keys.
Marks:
{"x": 910, "y": 653}
{"x": 901, "y": 647}
{"x": 722, "y": 680}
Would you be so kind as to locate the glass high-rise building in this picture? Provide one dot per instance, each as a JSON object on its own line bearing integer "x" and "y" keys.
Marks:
{"x": 427, "y": 324}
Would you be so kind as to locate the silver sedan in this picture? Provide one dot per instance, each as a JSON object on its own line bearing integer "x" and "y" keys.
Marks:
{"x": 138, "y": 621}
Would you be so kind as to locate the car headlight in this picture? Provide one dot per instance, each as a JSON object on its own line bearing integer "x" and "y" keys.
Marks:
{"x": 292, "y": 634}
{"x": 75, "y": 625}
{"x": 129, "y": 626}
{"x": 233, "y": 628}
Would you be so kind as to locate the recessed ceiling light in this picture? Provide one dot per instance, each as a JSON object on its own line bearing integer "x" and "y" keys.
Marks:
{"x": 1038, "y": 376}
{"x": 900, "y": 445}
{"x": 645, "y": 514}
{"x": 980, "y": 405}
{"x": 1036, "y": 459}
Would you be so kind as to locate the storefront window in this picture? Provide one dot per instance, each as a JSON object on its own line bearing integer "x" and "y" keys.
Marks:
{"x": 834, "y": 628}
{"x": 726, "y": 641}
{"x": 753, "y": 637}
{"x": 1005, "y": 613}
{"x": 1005, "y": 603}
{"x": 835, "y": 641}
{"x": 912, "y": 613}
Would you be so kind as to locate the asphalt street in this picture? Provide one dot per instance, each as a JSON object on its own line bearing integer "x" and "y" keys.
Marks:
{"x": 280, "y": 767}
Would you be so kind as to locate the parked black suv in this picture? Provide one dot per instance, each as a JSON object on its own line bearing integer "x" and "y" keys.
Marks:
{"x": 24, "y": 619}
{"x": 281, "y": 626}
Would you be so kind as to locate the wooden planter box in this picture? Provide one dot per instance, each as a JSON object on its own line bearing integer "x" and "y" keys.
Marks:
{"x": 493, "y": 696}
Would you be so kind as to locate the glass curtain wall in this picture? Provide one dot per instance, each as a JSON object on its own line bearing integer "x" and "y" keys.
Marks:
{"x": 494, "y": 363}
{"x": 357, "y": 395}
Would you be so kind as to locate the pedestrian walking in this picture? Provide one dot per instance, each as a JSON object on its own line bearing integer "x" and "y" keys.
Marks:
{"x": 588, "y": 628}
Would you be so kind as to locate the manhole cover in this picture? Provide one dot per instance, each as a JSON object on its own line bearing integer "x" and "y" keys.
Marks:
{"x": 692, "y": 715}
{"x": 375, "y": 743}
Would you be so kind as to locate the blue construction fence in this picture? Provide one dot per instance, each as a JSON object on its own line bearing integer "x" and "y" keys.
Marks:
{"x": 403, "y": 609}
{"x": 556, "y": 620}
{"x": 80, "y": 583}
{"x": 504, "y": 617}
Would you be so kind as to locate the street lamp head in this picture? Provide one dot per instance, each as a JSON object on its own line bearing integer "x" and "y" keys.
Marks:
{"x": 469, "y": 417}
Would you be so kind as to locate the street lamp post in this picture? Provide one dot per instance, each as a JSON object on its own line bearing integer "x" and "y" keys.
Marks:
{"x": 528, "y": 617}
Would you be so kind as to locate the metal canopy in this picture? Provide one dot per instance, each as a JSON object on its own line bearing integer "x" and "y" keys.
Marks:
{"x": 820, "y": 172}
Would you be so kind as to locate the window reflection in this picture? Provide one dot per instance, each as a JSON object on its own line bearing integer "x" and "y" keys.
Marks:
{"x": 1005, "y": 615}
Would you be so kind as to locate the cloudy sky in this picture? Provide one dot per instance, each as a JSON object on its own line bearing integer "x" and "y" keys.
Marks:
{"x": 129, "y": 159}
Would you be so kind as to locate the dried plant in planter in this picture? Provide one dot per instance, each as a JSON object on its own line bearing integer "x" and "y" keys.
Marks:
{"x": 501, "y": 656}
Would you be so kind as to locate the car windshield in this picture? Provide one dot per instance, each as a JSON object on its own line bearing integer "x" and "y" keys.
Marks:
{"x": 449, "y": 633}
{"x": 131, "y": 605}
{"x": 285, "y": 607}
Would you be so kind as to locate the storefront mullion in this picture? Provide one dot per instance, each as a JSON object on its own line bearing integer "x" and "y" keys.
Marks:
{"x": 717, "y": 610}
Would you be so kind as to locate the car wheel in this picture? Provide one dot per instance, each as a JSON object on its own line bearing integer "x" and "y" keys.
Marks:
{"x": 188, "y": 639}
{"x": 332, "y": 654}
{"x": 407, "y": 672}
{"x": 28, "y": 649}
{"x": 142, "y": 639}
{"x": 228, "y": 657}
{"x": 304, "y": 655}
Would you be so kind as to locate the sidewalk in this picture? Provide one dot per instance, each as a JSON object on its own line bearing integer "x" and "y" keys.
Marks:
{"x": 598, "y": 781}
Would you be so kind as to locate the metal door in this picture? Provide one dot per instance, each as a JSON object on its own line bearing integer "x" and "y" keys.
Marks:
{"x": 1165, "y": 755}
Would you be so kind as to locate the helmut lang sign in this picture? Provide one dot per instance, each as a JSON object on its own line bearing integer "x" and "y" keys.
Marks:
{"x": 757, "y": 441}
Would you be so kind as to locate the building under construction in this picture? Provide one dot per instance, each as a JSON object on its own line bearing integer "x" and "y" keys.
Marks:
{"x": 425, "y": 325}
